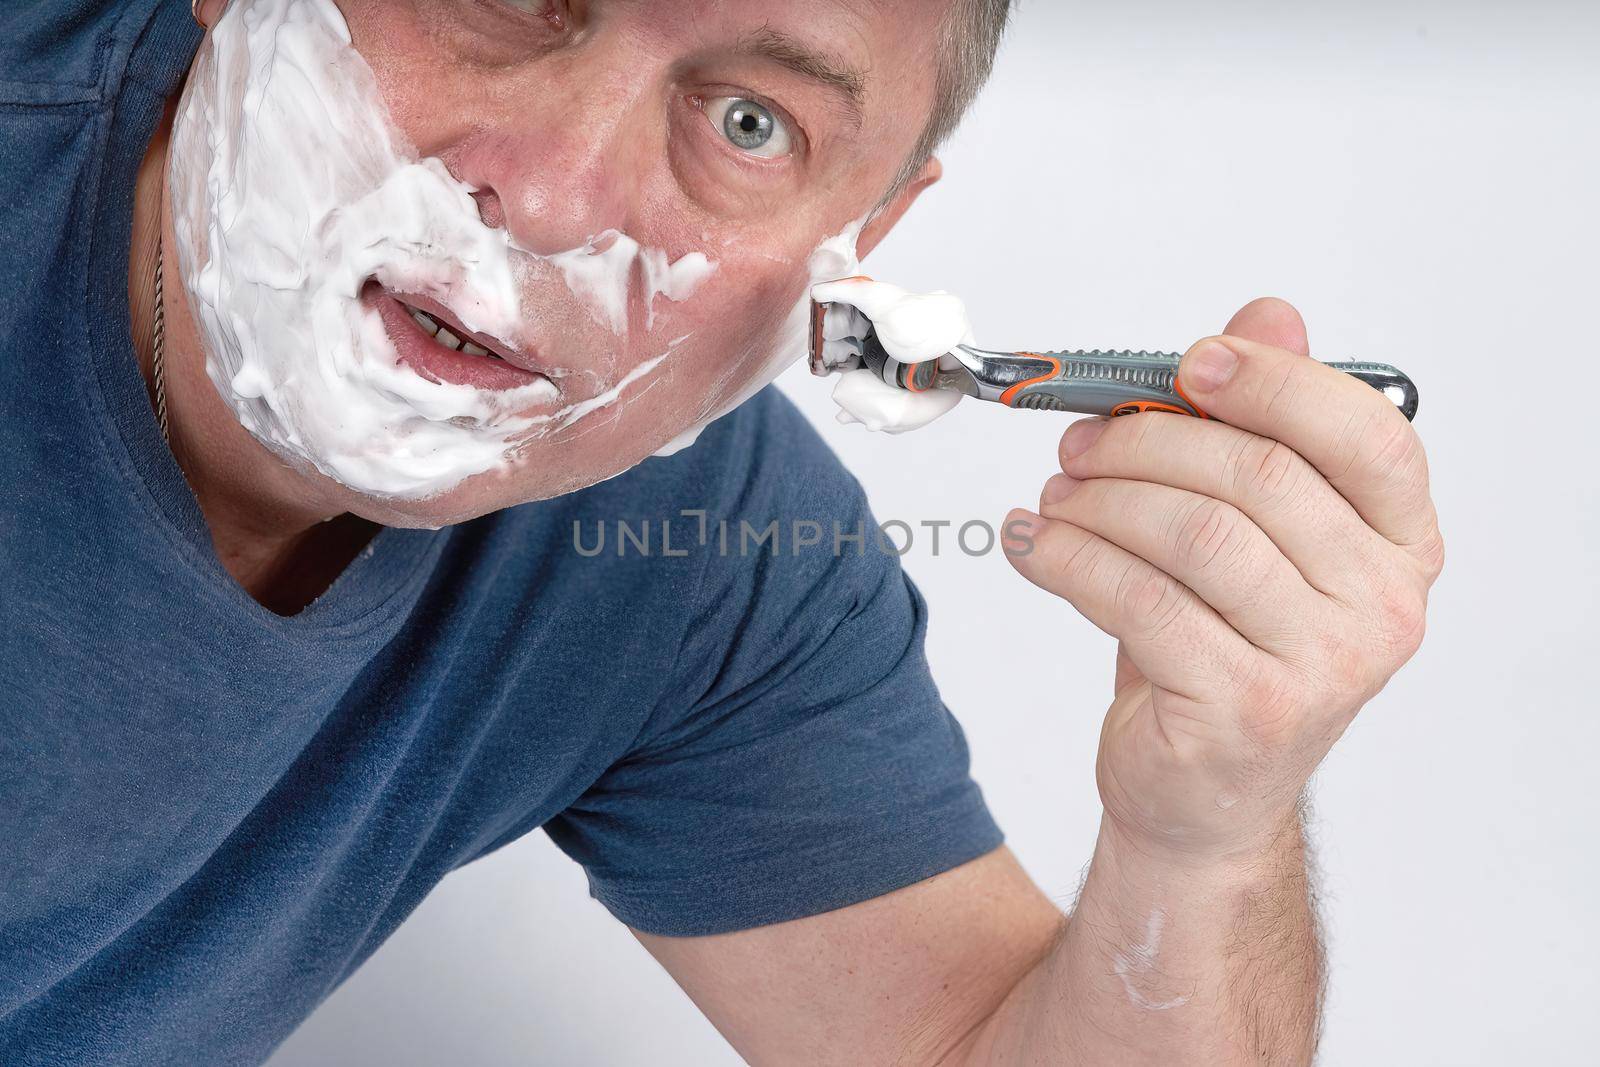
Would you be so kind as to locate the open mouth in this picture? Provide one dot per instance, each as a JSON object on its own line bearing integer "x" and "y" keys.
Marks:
{"x": 443, "y": 335}
{"x": 432, "y": 342}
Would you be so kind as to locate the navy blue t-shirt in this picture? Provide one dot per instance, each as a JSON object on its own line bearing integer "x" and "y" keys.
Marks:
{"x": 211, "y": 815}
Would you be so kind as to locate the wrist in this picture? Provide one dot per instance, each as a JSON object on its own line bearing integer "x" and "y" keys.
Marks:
{"x": 1252, "y": 855}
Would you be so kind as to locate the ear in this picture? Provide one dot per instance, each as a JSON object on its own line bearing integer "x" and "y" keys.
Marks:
{"x": 878, "y": 227}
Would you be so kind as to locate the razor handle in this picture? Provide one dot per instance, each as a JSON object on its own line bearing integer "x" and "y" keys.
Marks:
{"x": 1124, "y": 383}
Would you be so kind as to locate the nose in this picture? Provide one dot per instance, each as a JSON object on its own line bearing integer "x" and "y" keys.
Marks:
{"x": 557, "y": 158}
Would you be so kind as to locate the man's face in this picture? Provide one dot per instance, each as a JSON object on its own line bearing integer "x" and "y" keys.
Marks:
{"x": 636, "y": 116}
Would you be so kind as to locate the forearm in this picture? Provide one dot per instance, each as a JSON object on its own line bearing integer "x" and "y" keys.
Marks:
{"x": 1173, "y": 962}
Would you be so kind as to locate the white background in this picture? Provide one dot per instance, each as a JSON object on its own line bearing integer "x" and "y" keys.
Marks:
{"x": 1420, "y": 178}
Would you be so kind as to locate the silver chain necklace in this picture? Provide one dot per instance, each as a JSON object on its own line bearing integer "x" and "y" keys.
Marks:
{"x": 158, "y": 360}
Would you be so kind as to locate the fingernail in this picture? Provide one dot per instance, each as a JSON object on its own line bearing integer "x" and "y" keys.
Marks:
{"x": 1081, "y": 435}
{"x": 1058, "y": 488}
{"x": 1020, "y": 531}
{"x": 1210, "y": 365}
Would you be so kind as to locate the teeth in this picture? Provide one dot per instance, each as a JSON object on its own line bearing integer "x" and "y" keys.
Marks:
{"x": 447, "y": 338}
{"x": 425, "y": 321}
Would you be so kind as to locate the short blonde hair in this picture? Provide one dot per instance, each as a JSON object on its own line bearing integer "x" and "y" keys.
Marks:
{"x": 969, "y": 39}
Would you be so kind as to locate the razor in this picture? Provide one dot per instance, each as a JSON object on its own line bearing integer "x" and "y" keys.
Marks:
{"x": 1090, "y": 383}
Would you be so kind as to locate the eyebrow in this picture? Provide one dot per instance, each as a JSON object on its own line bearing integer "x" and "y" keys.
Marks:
{"x": 847, "y": 82}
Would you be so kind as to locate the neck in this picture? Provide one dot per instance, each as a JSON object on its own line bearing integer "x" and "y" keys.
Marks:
{"x": 279, "y": 532}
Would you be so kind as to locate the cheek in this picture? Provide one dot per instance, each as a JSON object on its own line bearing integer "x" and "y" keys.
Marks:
{"x": 395, "y": 41}
{"x": 733, "y": 325}
{"x": 729, "y": 334}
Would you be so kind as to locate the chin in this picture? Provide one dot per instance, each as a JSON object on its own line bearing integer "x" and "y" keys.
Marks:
{"x": 528, "y": 478}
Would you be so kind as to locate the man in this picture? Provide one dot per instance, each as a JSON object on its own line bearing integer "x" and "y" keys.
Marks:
{"x": 254, "y": 712}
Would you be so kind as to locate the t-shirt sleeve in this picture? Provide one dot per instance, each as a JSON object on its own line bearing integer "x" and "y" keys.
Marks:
{"x": 801, "y": 759}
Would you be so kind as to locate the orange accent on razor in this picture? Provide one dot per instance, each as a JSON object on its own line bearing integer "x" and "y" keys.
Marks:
{"x": 1009, "y": 395}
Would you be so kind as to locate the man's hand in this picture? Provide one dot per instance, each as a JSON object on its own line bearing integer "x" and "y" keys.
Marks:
{"x": 1265, "y": 578}
{"x": 1265, "y": 575}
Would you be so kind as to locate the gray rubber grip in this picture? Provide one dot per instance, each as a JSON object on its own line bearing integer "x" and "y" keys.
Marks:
{"x": 1112, "y": 383}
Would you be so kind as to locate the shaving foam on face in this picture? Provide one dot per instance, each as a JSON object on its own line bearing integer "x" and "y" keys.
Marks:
{"x": 833, "y": 258}
{"x": 913, "y": 328}
{"x": 598, "y": 274}
{"x": 292, "y": 189}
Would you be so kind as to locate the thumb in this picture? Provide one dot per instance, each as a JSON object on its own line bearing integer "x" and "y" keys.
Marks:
{"x": 1271, "y": 321}
{"x": 1127, "y": 674}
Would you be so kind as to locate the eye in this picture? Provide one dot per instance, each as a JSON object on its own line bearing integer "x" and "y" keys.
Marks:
{"x": 748, "y": 126}
{"x": 552, "y": 11}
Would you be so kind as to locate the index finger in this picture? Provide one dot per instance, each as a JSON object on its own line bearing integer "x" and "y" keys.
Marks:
{"x": 1347, "y": 430}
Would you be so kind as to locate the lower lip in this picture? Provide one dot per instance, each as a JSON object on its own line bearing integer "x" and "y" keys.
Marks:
{"x": 432, "y": 360}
